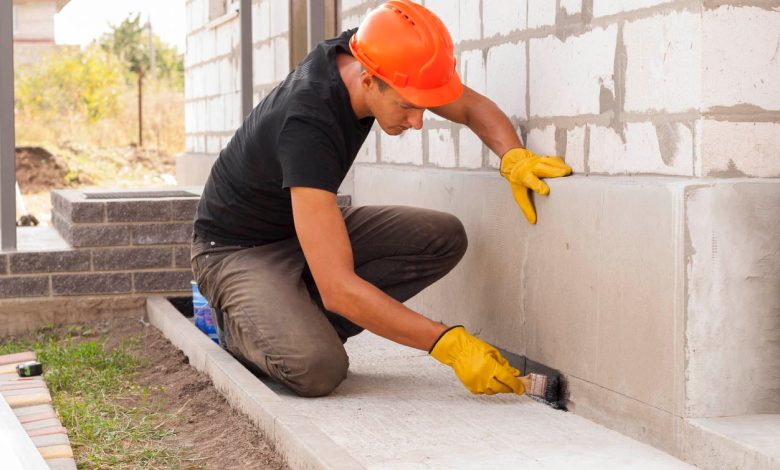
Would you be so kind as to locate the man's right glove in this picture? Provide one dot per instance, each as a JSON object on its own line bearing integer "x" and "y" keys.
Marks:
{"x": 478, "y": 365}
{"x": 523, "y": 168}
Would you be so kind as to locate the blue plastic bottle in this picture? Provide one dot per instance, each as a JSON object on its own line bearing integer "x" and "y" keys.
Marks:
{"x": 202, "y": 312}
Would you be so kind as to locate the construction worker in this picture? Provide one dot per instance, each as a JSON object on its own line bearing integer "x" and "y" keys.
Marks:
{"x": 293, "y": 274}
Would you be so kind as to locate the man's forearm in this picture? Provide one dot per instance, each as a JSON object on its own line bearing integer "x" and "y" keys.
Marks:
{"x": 493, "y": 127}
{"x": 364, "y": 304}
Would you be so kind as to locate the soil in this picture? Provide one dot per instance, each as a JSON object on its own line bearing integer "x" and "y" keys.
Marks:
{"x": 207, "y": 429}
{"x": 37, "y": 170}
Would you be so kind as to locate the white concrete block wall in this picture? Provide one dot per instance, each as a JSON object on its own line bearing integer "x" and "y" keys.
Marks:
{"x": 664, "y": 63}
{"x": 566, "y": 77}
{"x": 643, "y": 78}
{"x": 212, "y": 63}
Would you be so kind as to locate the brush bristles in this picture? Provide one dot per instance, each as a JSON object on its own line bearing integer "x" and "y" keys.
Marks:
{"x": 546, "y": 389}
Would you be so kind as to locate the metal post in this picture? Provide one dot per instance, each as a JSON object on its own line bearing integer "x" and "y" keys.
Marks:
{"x": 315, "y": 19}
{"x": 7, "y": 130}
{"x": 245, "y": 13}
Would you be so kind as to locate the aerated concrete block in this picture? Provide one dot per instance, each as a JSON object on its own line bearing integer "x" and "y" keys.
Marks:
{"x": 741, "y": 68}
{"x": 503, "y": 61}
{"x": 642, "y": 147}
{"x": 472, "y": 70}
{"x": 735, "y": 149}
{"x": 660, "y": 291}
{"x": 502, "y": 17}
{"x": 541, "y": 13}
{"x": 441, "y": 148}
{"x": 470, "y": 149}
{"x": 470, "y": 20}
{"x": 566, "y": 77}
{"x": 663, "y": 71}
{"x": 404, "y": 149}
{"x": 611, "y": 7}
{"x": 733, "y": 317}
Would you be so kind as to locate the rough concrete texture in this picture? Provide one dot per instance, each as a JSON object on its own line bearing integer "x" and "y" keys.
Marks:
{"x": 303, "y": 444}
{"x": 750, "y": 442}
{"x": 736, "y": 149}
{"x": 597, "y": 288}
{"x": 400, "y": 409}
{"x": 755, "y": 56}
{"x": 733, "y": 299}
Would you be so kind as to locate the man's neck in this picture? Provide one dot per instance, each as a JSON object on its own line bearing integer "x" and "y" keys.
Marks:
{"x": 349, "y": 69}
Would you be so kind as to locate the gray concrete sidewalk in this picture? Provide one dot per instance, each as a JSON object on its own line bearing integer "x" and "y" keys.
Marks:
{"x": 400, "y": 409}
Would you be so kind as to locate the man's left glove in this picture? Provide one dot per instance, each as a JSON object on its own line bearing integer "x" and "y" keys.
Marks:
{"x": 478, "y": 365}
{"x": 523, "y": 168}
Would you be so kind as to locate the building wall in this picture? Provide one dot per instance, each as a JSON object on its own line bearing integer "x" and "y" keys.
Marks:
{"x": 212, "y": 69}
{"x": 669, "y": 113}
{"x": 644, "y": 87}
{"x": 35, "y": 20}
{"x": 33, "y": 29}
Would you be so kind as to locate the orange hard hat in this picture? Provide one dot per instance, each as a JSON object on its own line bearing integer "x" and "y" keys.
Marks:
{"x": 410, "y": 49}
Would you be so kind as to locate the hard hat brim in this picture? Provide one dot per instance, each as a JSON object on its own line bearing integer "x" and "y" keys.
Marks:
{"x": 431, "y": 98}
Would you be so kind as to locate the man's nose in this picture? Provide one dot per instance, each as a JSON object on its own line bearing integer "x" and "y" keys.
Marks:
{"x": 415, "y": 118}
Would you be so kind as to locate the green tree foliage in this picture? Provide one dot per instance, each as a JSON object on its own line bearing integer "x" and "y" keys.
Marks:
{"x": 90, "y": 95}
{"x": 129, "y": 41}
{"x": 71, "y": 82}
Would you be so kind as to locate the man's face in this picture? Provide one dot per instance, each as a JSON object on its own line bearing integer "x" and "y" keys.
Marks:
{"x": 393, "y": 113}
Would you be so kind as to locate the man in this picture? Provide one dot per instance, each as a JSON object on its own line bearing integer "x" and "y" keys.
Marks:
{"x": 294, "y": 274}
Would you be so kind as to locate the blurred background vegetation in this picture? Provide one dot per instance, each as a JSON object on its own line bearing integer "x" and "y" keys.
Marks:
{"x": 77, "y": 115}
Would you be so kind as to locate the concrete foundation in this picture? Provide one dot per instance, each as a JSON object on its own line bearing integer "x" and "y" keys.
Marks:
{"x": 656, "y": 296}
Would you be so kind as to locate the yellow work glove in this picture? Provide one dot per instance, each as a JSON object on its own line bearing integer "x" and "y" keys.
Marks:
{"x": 478, "y": 365}
{"x": 523, "y": 168}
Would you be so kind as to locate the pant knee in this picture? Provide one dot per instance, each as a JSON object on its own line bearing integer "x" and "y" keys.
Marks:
{"x": 452, "y": 241}
{"x": 318, "y": 375}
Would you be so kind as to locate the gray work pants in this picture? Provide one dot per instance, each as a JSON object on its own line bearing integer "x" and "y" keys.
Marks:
{"x": 274, "y": 319}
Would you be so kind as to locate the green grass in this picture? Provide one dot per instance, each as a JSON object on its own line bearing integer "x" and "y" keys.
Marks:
{"x": 110, "y": 420}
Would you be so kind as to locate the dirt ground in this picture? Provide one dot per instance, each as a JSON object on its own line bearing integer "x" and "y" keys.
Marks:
{"x": 206, "y": 427}
{"x": 40, "y": 170}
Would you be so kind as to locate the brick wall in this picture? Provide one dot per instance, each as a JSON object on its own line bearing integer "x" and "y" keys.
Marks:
{"x": 118, "y": 247}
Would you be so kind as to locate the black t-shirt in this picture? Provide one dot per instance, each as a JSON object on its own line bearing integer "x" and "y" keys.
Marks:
{"x": 304, "y": 133}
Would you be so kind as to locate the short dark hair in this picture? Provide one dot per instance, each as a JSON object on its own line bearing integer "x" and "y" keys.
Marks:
{"x": 381, "y": 84}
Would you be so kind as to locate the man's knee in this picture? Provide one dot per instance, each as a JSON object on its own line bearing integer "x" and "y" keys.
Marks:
{"x": 318, "y": 374}
{"x": 452, "y": 239}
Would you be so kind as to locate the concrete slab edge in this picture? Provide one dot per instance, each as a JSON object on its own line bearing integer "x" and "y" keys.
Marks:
{"x": 709, "y": 449}
{"x": 294, "y": 435}
{"x": 16, "y": 447}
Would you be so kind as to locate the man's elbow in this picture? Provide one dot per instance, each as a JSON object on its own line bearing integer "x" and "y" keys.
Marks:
{"x": 338, "y": 294}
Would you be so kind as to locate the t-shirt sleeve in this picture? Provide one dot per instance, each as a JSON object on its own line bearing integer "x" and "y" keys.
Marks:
{"x": 308, "y": 155}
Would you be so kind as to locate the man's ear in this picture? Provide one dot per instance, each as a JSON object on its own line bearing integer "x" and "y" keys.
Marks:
{"x": 366, "y": 80}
